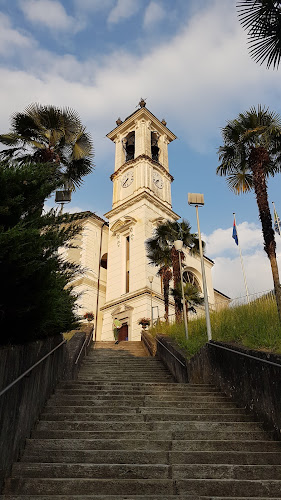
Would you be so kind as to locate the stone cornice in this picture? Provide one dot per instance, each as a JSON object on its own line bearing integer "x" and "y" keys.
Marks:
{"x": 137, "y": 115}
{"x": 85, "y": 280}
{"x": 144, "y": 195}
{"x": 130, "y": 296}
{"x": 133, "y": 162}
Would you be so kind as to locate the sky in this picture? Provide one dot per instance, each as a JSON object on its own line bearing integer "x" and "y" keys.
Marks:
{"x": 189, "y": 60}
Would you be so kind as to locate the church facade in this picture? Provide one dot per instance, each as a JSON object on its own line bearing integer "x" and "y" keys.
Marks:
{"x": 118, "y": 281}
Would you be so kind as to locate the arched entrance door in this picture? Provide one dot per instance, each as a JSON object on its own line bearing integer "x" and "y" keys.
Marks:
{"x": 123, "y": 332}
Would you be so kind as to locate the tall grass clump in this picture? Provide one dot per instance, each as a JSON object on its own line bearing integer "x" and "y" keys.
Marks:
{"x": 253, "y": 325}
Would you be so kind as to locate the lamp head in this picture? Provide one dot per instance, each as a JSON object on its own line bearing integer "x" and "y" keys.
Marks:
{"x": 150, "y": 279}
{"x": 178, "y": 244}
{"x": 195, "y": 199}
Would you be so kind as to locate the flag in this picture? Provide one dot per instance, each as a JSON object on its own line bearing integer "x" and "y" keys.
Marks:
{"x": 277, "y": 222}
{"x": 234, "y": 233}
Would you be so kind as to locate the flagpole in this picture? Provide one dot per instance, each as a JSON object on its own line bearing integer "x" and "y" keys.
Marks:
{"x": 241, "y": 260}
{"x": 276, "y": 218}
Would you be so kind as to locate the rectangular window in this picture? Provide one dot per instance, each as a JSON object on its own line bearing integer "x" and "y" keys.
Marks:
{"x": 127, "y": 263}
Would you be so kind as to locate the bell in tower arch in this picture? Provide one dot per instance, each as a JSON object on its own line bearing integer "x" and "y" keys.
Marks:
{"x": 154, "y": 146}
{"x": 129, "y": 146}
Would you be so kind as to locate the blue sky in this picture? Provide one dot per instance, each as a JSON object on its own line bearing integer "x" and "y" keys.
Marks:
{"x": 189, "y": 59}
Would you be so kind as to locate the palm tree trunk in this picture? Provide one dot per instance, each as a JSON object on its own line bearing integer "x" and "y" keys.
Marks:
{"x": 258, "y": 157}
{"x": 176, "y": 277}
{"x": 167, "y": 276}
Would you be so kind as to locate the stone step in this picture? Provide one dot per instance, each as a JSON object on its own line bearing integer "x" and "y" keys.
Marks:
{"x": 135, "y": 385}
{"x": 94, "y": 417}
{"x": 145, "y": 417}
{"x": 102, "y": 470}
{"x": 107, "y": 434}
{"x": 252, "y": 460}
{"x": 138, "y": 378}
{"x": 225, "y": 487}
{"x": 143, "y": 409}
{"x": 125, "y": 497}
{"x": 83, "y": 389}
{"x": 194, "y": 435}
{"x": 108, "y": 497}
{"x": 32, "y": 445}
{"x": 93, "y": 470}
{"x": 118, "y": 456}
{"x": 202, "y": 487}
{"x": 227, "y": 444}
{"x": 131, "y": 399}
{"x": 78, "y": 486}
{"x": 148, "y": 426}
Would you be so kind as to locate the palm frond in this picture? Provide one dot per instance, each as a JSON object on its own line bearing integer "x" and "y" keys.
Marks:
{"x": 262, "y": 21}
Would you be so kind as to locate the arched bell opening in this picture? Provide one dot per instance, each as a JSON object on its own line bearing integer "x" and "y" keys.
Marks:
{"x": 129, "y": 146}
{"x": 103, "y": 261}
{"x": 154, "y": 146}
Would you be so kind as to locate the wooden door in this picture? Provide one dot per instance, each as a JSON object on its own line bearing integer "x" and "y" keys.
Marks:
{"x": 123, "y": 332}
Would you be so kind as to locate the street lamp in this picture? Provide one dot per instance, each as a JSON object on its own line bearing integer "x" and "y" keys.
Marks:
{"x": 178, "y": 247}
{"x": 150, "y": 279}
{"x": 64, "y": 195}
{"x": 197, "y": 199}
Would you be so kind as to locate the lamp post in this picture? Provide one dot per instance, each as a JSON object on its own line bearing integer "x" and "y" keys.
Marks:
{"x": 196, "y": 200}
{"x": 178, "y": 246}
{"x": 150, "y": 279}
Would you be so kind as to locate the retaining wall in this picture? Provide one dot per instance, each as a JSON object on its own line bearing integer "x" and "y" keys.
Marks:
{"x": 21, "y": 405}
{"x": 252, "y": 383}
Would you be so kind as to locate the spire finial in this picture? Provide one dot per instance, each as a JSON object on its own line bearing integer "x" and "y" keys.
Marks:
{"x": 142, "y": 103}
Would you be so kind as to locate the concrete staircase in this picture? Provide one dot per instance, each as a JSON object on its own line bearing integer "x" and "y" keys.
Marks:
{"x": 126, "y": 431}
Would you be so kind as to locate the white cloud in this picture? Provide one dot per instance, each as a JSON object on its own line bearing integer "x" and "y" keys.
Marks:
{"x": 228, "y": 276}
{"x": 220, "y": 241}
{"x": 154, "y": 13}
{"x": 197, "y": 79}
{"x": 10, "y": 38}
{"x": 49, "y": 13}
{"x": 227, "y": 272}
{"x": 124, "y": 9}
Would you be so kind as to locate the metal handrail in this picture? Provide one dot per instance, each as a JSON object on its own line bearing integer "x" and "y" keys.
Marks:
{"x": 91, "y": 336}
{"x": 31, "y": 368}
{"x": 246, "y": 355}
{"x": 171, "y": 353}
{"x": 86, "y": 341}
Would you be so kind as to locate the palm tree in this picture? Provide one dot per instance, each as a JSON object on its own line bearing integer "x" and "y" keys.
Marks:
{"x": 191, "y": 294}
{"x": 165, "y": 235}
{"x": 47, "y": 134}
{"x": 161, "y": 257}
{"x": 262, "y": 20}
{"x": 251, "y": 153}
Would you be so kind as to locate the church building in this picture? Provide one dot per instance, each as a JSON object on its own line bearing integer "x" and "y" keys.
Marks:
{"x": 117, "y": 280}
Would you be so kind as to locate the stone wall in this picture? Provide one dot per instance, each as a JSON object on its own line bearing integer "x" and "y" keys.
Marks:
{"x": 250, "y": 382}
{"x": 21, "y": 405}
{"x": 170, "y": 354}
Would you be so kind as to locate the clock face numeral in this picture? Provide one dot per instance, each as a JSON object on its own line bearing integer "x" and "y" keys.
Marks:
{"x": 127, "y": 179}
{"x": 157, "y": 179}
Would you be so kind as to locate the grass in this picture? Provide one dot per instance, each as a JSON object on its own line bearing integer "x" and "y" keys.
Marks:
{"x": 82, "y": 327}
{"x": 254, "y": 325}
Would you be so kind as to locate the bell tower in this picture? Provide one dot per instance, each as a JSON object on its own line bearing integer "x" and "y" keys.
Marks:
{"x": 141, "y": 199}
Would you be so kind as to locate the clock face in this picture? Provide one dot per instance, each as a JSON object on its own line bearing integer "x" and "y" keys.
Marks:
{"x": 127, "y": 178}
{"x": 157, "y": 179}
